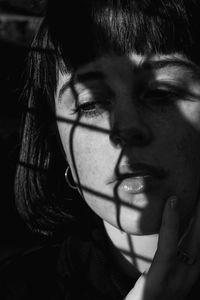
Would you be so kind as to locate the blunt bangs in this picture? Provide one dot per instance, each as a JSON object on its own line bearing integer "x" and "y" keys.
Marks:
{"x": 120, "y": 27}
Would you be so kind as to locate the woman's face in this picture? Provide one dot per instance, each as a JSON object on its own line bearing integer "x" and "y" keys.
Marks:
{"x": 130, "y": 131}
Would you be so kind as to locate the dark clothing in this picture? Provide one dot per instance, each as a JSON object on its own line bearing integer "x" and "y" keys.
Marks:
{"x": 79, "y": 268}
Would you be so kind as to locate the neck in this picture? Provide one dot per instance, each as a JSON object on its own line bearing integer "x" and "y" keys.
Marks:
{"x": 132, "y": 251}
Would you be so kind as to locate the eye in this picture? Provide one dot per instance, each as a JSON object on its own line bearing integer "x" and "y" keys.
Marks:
{"x": 161, "y": 96}
{"x": 88, "y": 109}
{"x": 93, "y": 102}
{"x": 92, "y": 109}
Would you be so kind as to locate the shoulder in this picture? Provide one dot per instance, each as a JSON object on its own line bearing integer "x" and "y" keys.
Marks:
{"x": 30, "y": 274}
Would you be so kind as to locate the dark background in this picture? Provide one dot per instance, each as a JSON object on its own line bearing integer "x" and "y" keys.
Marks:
{"x": 19, "y": 20}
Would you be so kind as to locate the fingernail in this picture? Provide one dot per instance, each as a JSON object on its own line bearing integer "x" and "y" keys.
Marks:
{"x": 173, "y": 202}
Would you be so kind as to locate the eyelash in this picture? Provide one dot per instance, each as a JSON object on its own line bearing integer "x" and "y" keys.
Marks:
{"x": 91, "y": 109}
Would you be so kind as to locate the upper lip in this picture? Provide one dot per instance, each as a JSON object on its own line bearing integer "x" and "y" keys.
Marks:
{"x": 137, "y": 170}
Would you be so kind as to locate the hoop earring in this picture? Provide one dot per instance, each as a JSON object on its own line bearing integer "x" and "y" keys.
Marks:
{"x": 72, "y": 186}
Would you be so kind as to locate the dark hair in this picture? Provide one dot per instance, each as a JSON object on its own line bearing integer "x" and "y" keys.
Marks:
{"x": 94, "y": 27}
{"x": 104, "y": 26}
{"x": 40, "y": 187}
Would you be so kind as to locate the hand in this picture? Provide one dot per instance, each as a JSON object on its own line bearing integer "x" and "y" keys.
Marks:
{"x": 169, "y": 277}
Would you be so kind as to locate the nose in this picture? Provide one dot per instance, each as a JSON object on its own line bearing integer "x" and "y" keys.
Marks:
{"x": 130, "y": 133}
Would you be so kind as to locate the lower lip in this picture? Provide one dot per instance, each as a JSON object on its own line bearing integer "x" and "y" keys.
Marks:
{"x": 141, "y": 184}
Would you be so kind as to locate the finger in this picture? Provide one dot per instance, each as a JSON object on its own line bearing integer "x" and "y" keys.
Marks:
{"x": 190, "y": 242}
{"x": 187, "y": 265}
{"x": 168, "y": 236}
{"x": 168, "y": 239}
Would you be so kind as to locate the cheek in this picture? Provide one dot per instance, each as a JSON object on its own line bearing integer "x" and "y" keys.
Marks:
{"x": 188, "y": 137}
{"x": 185, "y": 158}
{"x": 188, "y": 170}
{"x": 85, "y": 152}
{"x": 190, "y": 113}
{"x": 190, "y": 142}
{"x": 86, "y": 159}
{"x": 188, "y": 163}
{"x": 188, "y": 148}
{"x": 178, "y": 132}
{"x": 90, "y": 160}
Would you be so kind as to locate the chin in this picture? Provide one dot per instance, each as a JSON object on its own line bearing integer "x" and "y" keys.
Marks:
{"x": 138, "y": 225}
{"x": 138, "y": 231}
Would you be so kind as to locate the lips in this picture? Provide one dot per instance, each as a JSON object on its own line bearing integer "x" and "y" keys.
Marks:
{"x": 138, "y": 170}
{"x": 138, "y": 177}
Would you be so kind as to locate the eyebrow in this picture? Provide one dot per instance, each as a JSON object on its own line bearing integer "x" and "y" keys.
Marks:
{"x": 81, "y": 77}
{"x": 171, "y": 62}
